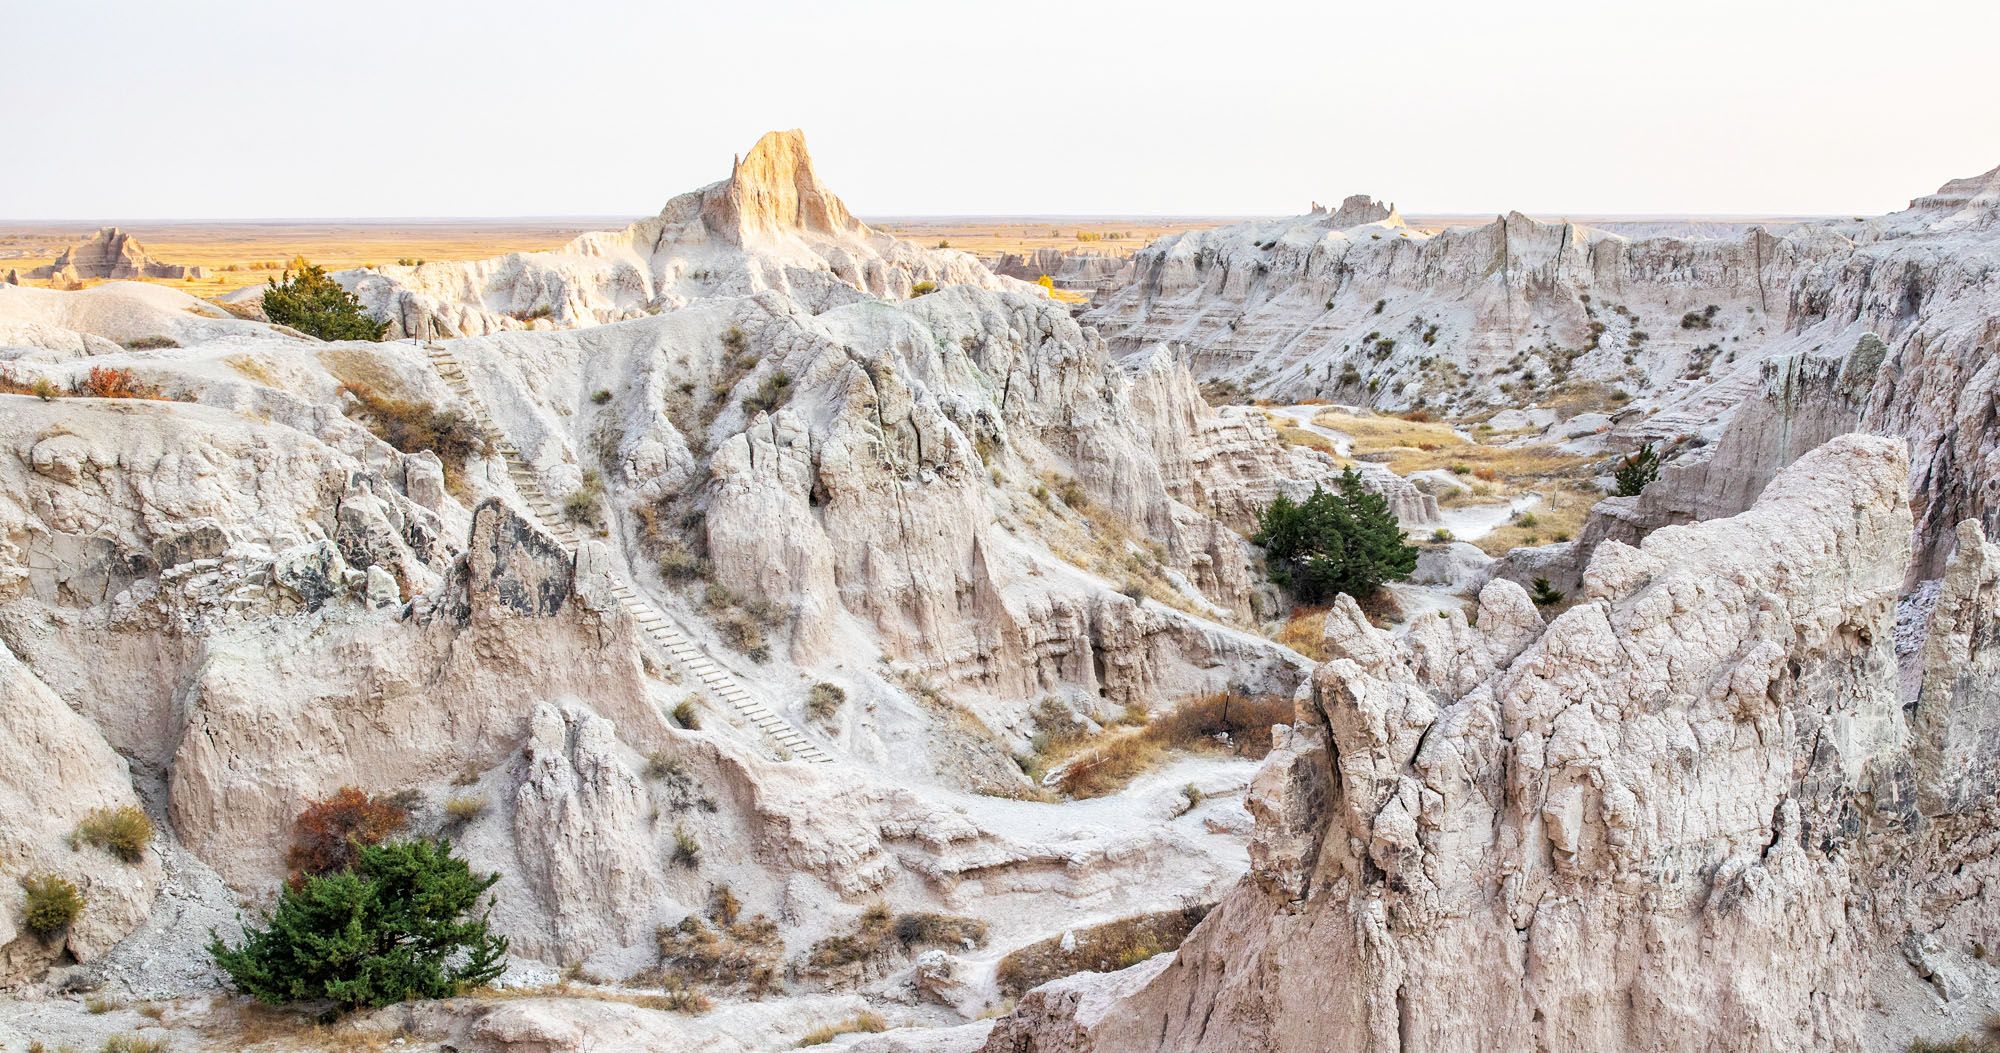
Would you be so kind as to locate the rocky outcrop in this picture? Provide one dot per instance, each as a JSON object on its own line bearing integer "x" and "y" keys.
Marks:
{"x": 772, "y": 225}
{"x": 110, "y": 254}
{"x": 1880, "y": 324}
{"x": 1680, "y": 817}
{"x": 56, "y": 768}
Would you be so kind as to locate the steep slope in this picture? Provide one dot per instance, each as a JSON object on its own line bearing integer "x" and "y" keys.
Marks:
{"x": 772, "y": 225}
{"x": 1678, "y": 817}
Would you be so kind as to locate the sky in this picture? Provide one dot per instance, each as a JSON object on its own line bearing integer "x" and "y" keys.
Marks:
{"x": 138, "y": 109}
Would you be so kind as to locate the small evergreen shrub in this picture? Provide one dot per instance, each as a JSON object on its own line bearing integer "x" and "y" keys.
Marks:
{"x": 1638, "y": 469}
{"x": 316, "y": 305}
{"x": 1545, "y": 594}
{"x": 398, "y": 925}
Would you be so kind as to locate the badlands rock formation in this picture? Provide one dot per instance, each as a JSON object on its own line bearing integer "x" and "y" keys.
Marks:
{"x": 110, "y": 254}
{"x": 772, "y": 225}
{"x": 1351, "y": 304}
{"x": 957, "y": 508}
{"x": 580, "y": 615}
{"x": 1692, "y": 812}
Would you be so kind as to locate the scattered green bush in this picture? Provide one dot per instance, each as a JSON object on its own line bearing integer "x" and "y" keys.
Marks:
{"x": 52, "y": 904}
{"x": 130, "y": 1043}
{"x": 316, "y": 305}
{"x": 600, "y": 397}
{"x": 123, "y": 831}
{"x": 581, "y": 506}
{"x": 399, "y": 925}
{"x": 922, "y": 289}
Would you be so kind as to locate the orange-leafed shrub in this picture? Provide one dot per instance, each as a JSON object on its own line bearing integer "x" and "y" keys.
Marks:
{"x": 106, "y": 383}
{"x": 330, "y": 832}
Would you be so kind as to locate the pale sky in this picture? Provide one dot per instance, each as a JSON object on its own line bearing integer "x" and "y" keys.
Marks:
{"x": 138, "y": 109}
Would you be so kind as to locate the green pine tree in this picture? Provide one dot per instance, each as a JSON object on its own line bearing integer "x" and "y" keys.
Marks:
{"x": 1342, "y": 540}
{"x": 399, "y": 925}
{"x": 316, "y": 305}
{"x": 1636, "y": 470}
{"x": 1546, "y": 594}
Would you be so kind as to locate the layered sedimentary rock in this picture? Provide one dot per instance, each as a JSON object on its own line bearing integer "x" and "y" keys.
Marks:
{"x": 110, "y": 254}
{"x": 1690, "y": 813}
{"x": 1672, "y": 334}
{"x": 772, "y": 225}
{"x": 1079, "y": 269}
{"x": 258, "y": 601}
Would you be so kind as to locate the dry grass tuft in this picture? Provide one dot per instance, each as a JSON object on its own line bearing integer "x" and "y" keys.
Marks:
{"x": 412, "y": 426}
{"x": 1108, "y": 947}
{"x": 1236, "y": 723}
{"x": 860, "y": 1023}
{"x": 124, "y": 831}
{"x": 1305, "y": 632}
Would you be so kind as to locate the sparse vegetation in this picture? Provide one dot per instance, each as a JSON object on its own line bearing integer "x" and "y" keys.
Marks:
{"x": 150, "y": 343}
{"x": 1340, "y": 541}
{"x": 824, "y": 700}
{"x": 1239, "y": 724}
{"x": 123, "y": 831}
{"x": 133, "y": 1043}
{"x": 1986, "y": 1041}
{"x": 329, "y": 833}
{"x": 685, "y": 716}
{"x": 1101, "y": 948}
{"x": 52, "y": 903}
{"x": 879, "y": 935}
{"x": 770, "y": 394}
{"x": 583, "y": 506}
{"x": 687, "y": 850}
{"x": 460, "y": 809}
{"x": 922, "y": 289}
{"x": 314, "y": 304}
{"x": 1305, "y": 632}
{"x": 742, "y": 955}
{"x": 860, "y": 1023}
{"x": 412, "y": 426}
{"x": 600, "y": 396}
